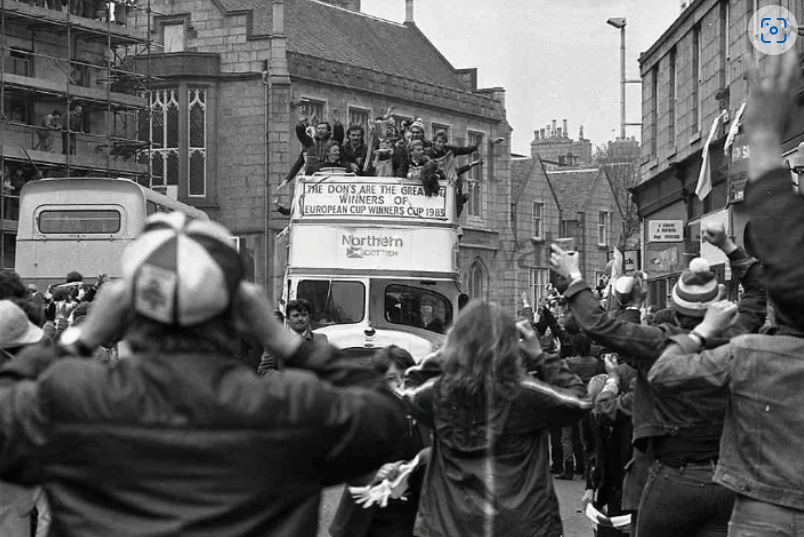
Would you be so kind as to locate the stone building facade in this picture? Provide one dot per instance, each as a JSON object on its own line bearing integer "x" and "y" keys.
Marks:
{"x": 247, "y": 68}
{"x": 590, "y": 214}
{"x": 556, "y": 148}
{"x": 536, "y": 218}
{"x": 694, "y": 72}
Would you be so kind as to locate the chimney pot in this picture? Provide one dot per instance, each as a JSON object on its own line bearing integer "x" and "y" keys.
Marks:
{"x": 558, "y": 133}
{"x": 566, "y": 130}
{"x": 408, "y": 10}
{"x": 542, "y": 133}
{"x": 536, "y": 135}
{"x": 554, "y": 128}
{"x": 580, "y": 132}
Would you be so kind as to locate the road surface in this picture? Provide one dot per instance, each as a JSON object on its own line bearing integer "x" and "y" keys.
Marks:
{"x": 569, "y": 494}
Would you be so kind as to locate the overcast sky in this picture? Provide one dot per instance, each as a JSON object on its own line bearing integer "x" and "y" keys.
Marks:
{"x": 557, "y": 59}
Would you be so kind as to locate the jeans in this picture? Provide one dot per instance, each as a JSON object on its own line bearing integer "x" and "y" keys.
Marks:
{"x": 684, "y": 502}
{"x": 752, "y": 518}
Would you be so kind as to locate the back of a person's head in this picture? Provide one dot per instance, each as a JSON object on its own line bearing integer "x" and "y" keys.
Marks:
{"x": 481, "y": 353}
{"x": 581, "y": 344}
{"x": 384, "y": 358}
{"x": 696, "y": 289}
{"x": 184, "y": 275}
{"x": 787, "y": 310}
{"x": 74, "y": 276}
{"x": 10, "y": 285}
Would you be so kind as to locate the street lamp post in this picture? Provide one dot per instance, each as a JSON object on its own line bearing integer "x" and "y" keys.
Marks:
{"x": 619, "y": 23}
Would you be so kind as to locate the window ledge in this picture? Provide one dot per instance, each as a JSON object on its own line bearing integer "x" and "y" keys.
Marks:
{"x": 695, "y": 137}
{"x": 479, "y": 227}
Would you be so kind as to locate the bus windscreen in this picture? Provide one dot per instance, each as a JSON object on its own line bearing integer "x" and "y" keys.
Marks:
{"x": 79, "y": 222}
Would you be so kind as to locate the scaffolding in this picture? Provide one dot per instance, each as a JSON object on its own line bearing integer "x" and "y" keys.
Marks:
{"x": 84, "y": 61}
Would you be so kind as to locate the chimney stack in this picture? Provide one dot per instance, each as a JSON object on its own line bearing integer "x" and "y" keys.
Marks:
{"x": 408, "y": 10}
{"x": 566, "y": 130}
{"x": 554, "y": 128}
{"x": 580, "y": 132}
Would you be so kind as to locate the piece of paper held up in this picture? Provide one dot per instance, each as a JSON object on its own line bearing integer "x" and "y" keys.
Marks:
{"x": 379, "y": 494}
{"x": 618, "y": 522}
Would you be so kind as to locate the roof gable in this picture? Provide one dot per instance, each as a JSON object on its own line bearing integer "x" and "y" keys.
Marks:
{"x": 332, "y": 33}
{"x": 574, "y": 189}
{"x": 523, "y": 170}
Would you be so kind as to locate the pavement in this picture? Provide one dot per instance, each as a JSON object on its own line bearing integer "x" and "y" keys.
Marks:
{"x": 569, "y": 495}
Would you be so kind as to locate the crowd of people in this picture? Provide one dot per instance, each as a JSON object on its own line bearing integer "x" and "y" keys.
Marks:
{"x": 689, "y": 424}
{"x": 393, "y": 149}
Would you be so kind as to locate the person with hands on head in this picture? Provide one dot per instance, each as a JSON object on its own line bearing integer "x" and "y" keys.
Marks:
{"x": 679, "y": 435}
{"x": 490, "y": 422}
{"x": 181, "y": 438}
{"x": 761, "y": 374}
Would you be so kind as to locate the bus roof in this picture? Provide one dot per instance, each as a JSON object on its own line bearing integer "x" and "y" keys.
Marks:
{"x": 95, "y": 184}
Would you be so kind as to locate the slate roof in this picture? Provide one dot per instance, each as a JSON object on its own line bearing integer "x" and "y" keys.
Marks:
{"x": 574, "y": 188}
{"x": 520, "y": 172}
{"x": 328, "y": 32}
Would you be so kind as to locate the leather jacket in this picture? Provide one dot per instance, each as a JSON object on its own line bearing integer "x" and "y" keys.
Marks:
{"x": 192, "y": 444}
{"x": 489, "y": 471}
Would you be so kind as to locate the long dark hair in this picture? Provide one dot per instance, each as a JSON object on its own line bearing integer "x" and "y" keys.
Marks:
{"x": 480, "y": 358}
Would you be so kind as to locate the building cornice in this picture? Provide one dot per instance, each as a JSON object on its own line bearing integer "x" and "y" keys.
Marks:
{"x": 680, "y": 20}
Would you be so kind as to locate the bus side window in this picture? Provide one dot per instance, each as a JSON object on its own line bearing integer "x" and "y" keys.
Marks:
{"x": 150, "y": 208}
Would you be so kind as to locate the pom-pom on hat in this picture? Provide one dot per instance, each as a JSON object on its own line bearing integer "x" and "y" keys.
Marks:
{"x": 696, "y": 289}
{"x": 183, "y": 272}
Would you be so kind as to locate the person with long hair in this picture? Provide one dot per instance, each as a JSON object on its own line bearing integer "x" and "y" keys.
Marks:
{"x": 489, "y": 469}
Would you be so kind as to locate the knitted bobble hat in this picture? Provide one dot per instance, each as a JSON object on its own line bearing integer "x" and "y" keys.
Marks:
{"x": 696, "y": 289}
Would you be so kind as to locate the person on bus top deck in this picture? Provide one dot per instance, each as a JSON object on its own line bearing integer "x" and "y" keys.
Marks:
{"x": 181, "y": 438}
{"x": 332, "y": 163}
{"x": 298, "y": 315}
{"x": 355, "y": 151}
{"x": 401, "y": 155}
{"x": 316, "y": 146}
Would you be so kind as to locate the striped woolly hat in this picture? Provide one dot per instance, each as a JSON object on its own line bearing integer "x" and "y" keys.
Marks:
{"x": 696, "y": 289}
{"x": 183, "y": 272}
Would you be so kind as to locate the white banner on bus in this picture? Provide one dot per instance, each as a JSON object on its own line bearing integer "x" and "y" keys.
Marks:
{"x": 374, "y": 199}
{"x": 370, "y": 248}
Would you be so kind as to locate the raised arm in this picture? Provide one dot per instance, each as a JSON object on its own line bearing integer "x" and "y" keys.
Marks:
{"x": 301, "y": 134}
{"x": 684, "y": 365}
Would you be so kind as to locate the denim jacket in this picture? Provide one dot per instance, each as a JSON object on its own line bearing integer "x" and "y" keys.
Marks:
{"x": 642, "y": 345}
{"x": 761, "y": 447}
